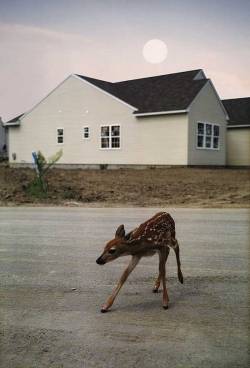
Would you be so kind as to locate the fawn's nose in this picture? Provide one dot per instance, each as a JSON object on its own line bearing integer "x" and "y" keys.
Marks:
{"x": 100, "y": 261}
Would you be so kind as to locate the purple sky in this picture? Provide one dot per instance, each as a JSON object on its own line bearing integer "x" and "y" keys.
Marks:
{"x": 42, "y": 42}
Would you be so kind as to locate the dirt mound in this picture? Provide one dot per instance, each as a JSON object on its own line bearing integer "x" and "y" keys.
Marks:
{"x": 195, "y": 187}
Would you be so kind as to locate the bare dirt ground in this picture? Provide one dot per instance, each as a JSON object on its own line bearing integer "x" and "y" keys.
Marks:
{"x": 181, "y": 187}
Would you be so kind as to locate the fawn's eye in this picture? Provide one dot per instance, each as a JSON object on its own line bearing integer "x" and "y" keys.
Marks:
{"x": 112, "y": 250}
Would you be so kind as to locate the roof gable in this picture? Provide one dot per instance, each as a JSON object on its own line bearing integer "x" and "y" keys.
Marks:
{"x": 104, "y": 86}
{"x": 170, "y": 93}
{"x": 162, "y": 93}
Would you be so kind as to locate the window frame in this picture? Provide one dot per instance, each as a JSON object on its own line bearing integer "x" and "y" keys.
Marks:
{"x": 110, "y": 137}
{"x": 57, "y": 136}
{"x": 204, "y": 135}
{"x": 83, "y": 134}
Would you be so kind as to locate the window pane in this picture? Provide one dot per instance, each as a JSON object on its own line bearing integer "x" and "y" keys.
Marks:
{"x": 208, "y": 142}
{"x": 216, "y": 130}
{"x": 216, "y": 142}
{"x": 60, "y": 135}
{"x": 86, "y": 132}
{"x": 208, "y": 129}
{"x": 105, "y": 142}
{"x": 115, "y": 131}
{"x": 115, "y": 143}
{"x": 200, "y": 139}
{"x": 200, "y": 128}
{"x": 105, "y": 131}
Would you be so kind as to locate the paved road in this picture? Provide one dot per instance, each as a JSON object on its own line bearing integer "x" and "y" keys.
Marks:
{"x": 46, "y": 252}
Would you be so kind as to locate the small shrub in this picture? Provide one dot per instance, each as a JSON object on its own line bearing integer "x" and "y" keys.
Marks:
{"x": 34, "y": 189}
{"x": 39, "y": 186}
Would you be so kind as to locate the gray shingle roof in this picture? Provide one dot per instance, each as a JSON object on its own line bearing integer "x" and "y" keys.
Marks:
{"x": 155, "y": 94}
{"x": 238, "y": 110}
{"x": 14, "y": 120}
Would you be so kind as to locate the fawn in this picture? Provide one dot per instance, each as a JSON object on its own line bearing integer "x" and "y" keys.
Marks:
{"x": 155, "y": 235}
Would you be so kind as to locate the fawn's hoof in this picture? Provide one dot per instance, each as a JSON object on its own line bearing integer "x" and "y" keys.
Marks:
{"x": 103, "y": 310}
{"x": 155, "y": 291}
{"x": 181, "y": 279}
{"x": 165, "y": 306}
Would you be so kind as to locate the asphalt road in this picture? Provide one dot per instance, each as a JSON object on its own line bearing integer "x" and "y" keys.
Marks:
{"x": 51, "y": 291}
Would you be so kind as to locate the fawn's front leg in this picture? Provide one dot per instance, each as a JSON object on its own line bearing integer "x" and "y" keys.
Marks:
{"x": 132, "y": 264}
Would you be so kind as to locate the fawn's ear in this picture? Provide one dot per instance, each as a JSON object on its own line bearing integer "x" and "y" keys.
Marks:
{"x": 120, "y": 232}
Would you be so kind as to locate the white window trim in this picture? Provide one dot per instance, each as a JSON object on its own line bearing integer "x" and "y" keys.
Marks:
{"x": 84, "y": 138}
{"x": 60, "y": 144}
{"x": 110, "y": 137}
{"x": 204, "y": 135}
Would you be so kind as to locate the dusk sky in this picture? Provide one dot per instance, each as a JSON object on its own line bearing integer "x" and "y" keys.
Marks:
{"x": 43, "y": 41}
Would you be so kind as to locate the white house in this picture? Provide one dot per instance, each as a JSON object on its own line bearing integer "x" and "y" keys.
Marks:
{"x": 238, "y": 132}
{"x": 173, "y": 119}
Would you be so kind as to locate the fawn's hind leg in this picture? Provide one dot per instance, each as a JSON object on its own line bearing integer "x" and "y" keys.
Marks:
{"x": 157, "y": 284}
{"x": 162, "y": 268}
{"x": 176, "y": 249}
{"x": 159, "y": 277}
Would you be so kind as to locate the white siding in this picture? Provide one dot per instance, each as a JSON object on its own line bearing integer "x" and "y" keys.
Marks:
{"x": 206, "y": 108}
{"x": 238, "y": 147}
{"x": 163, "y": 139}
{"x": 74, "y": 104}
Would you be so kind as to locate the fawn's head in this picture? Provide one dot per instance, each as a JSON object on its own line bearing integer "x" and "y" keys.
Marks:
{"x": 115, "y": 248}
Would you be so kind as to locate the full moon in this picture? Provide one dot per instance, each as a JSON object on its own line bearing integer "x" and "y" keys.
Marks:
{"x": 155, "y": 51}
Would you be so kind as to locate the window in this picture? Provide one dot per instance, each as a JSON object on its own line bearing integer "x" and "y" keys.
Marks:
{"x": 60, "y": 138}
{"x": 207, "y": 136}
{"x": 85, "y": 132}
{"x": 110, "y": 136}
